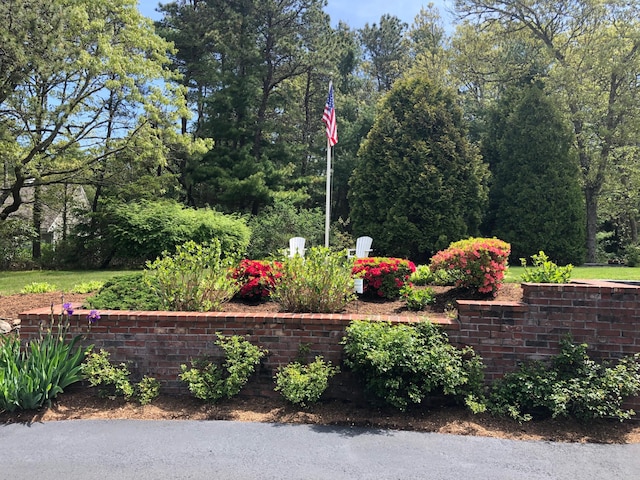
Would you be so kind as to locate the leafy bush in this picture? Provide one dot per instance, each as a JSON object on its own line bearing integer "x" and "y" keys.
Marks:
{"x": 126, "y": 292}
{"x": 113, "y": 380}
{"x": 33, "y": 376}
{"x": 320, "y": 282}
{"x": 417, "y": 299}
{"x": 383, "y": 277}
{"x": 571, "y": 385}
{"x": 632, "y": 255}
{"x": 211, "y": 382}
{"x": 132, "y": 233}
{"x": 38, "y": 287}
{"x": 196, "y": 278}
{"x": 304, "y": 384}
{"x": 87, "y": 287}
{"x": 544, "y": 270}
{"x": 15, "y": 235}
{"x": 257, "y": 278}
{"x": 476, "y": 263}
{"x": 402, "y": 364}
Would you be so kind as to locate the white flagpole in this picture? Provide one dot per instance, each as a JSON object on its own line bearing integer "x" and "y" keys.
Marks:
{"x": 327, "y": 221}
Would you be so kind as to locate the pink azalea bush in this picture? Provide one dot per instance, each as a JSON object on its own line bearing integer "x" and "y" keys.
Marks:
{"x": 476, "y": 263}
{"x": 383, "y": 277}
{"x": 257, "y": 278}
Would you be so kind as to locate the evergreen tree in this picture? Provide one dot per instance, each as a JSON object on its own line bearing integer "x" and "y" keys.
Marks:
{"x": 535, "y": 201}
{"x": 419, "y": 184}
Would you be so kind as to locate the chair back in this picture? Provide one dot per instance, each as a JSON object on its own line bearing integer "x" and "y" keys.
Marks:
{"x": 296, "y": 246}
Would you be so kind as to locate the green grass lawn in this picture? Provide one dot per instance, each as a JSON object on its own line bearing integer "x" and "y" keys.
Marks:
{"x": 586, "y": 273}
{"x": 64, "y": 280}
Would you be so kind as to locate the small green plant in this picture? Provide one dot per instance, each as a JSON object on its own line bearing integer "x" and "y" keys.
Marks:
{"x": 113, "y": 380}
{"x": 417, "y": 298}
{"x": 39, "y": 287}
{"x": 632, "y": 255}
{"x": 572, "y": 384}
{"x": 87, "y": 287}
{"x": 402, "y": 364}
{"x": 196, "y": 278}
{"x": 210, "y": 381}
{"x": 32, "y": 376}
{"x": 425, "y": 276}
{"x": 304, "y": 384}
{"x": 125, "y": 292}
{"x": 544, "y": 270}
{"x": 321, "y": 282}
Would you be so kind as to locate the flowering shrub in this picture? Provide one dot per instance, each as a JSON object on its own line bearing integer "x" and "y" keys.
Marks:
{"x": 477, "y": 263}
{"x": 383, "y": 277}
{"x": 257, "y": 278}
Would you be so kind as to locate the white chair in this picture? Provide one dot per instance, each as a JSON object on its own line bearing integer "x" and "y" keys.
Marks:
{"x": 296, "y": 246}
{"x": 363, "y": 247}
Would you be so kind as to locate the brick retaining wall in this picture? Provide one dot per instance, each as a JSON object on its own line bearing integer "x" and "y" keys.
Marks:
{"x": 603, "y": 314}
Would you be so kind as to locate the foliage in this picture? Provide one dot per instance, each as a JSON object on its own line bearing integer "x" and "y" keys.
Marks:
{"x": 477, "y": 263}
{"x": 544, "y": 270}
{"x": 113, "y": 380}
{"x": 257, "y": 278}
{"x": 425, "y": 276}
{"x": 87, "y": 287}
{"x": 15, "y": 235}
{"x": 632, "y": 255}
{"x": 383, "y": 277}
{"x": 33, "y": 376}
{"x": 38, "y": 287}
{"x": 417, "y": 298}
{"x": 571, "y": 385}
{"x": 535, "y": 199}
{"x": 126, "y": 292}
{"x": 304, "y": 384}
{"x": 197, "y": 278}
{"x": 144, "y": 230}
{"x": 418, "y": 183}
{"x": 211, "y": 382}
{"x": 272, "y": 228}
{"x": 403, "y": 364}
{"x": 319, "y": 282}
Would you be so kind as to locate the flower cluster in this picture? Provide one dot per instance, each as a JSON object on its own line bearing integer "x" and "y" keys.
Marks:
{"x": 93, "y": 317}
{"x": 383, "y": 277}
{"x": 257, "y": 277}
{"x": 477, "y": 263}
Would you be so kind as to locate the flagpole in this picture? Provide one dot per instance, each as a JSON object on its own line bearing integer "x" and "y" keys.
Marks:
{"x": 327, "y": 221}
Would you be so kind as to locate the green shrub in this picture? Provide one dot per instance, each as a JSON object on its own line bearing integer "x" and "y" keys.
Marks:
{"x": 87, "y": 287}
{"x": 320, "y": 282}
{"x": 476, "y": 263}
{"x": 383, "y": 277}
{"x": 425, "y": 276}
{"x": 15, "y": 237}
{"x": 545, "y": 271}
{"x": 211, "y": 381}
{"x": 113, "y": 380}
{"x": 38, "y": 287}
{"x": 126, "y": 292}
{"x": 33, "y": 376}
{"x": 632, "y": 255}
{"x": 571, "y": 385}
{"x": 196, "y": 278}
{"x": 403, "y": 364}
{"x": 417, "y": 299}
{"x": 304, "y": 384}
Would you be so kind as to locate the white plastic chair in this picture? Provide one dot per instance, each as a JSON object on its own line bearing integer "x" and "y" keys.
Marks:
{"x": 363, "y": 247}
{"x": 296, "y": 246}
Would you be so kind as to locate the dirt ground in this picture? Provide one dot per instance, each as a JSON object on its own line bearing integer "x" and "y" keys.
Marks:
{"x": 80, "y": 402}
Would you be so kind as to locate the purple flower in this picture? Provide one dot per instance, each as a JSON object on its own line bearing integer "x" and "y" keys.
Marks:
{"x": 93, "y": 316}
{"x": 67, "y": 309}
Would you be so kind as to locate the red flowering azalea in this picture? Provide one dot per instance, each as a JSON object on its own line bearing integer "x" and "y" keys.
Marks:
{"x": 383, "y": 277}
{"x": 257, "y": 277}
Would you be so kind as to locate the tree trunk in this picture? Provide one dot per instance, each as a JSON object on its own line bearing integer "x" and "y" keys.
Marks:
{"x": 591, "y": 197}
{"x": 36, "y": 245}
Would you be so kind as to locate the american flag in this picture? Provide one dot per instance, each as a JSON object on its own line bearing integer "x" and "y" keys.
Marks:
{"x": 329, "y": 118}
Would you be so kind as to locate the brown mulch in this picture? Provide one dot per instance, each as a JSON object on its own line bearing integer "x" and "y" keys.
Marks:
{"x": 80, "y": 402}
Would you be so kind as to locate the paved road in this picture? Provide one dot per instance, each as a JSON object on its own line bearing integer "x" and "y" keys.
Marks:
{"x": 141, "y": 450}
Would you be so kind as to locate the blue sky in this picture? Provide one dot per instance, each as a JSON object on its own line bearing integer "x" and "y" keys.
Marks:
{"x": 354, "y": 12}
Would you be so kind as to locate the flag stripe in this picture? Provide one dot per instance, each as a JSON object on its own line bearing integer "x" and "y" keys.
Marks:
{"x": 329, "y": 118}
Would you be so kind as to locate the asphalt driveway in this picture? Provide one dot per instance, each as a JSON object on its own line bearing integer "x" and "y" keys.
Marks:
{"x": 140, "y": 450}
